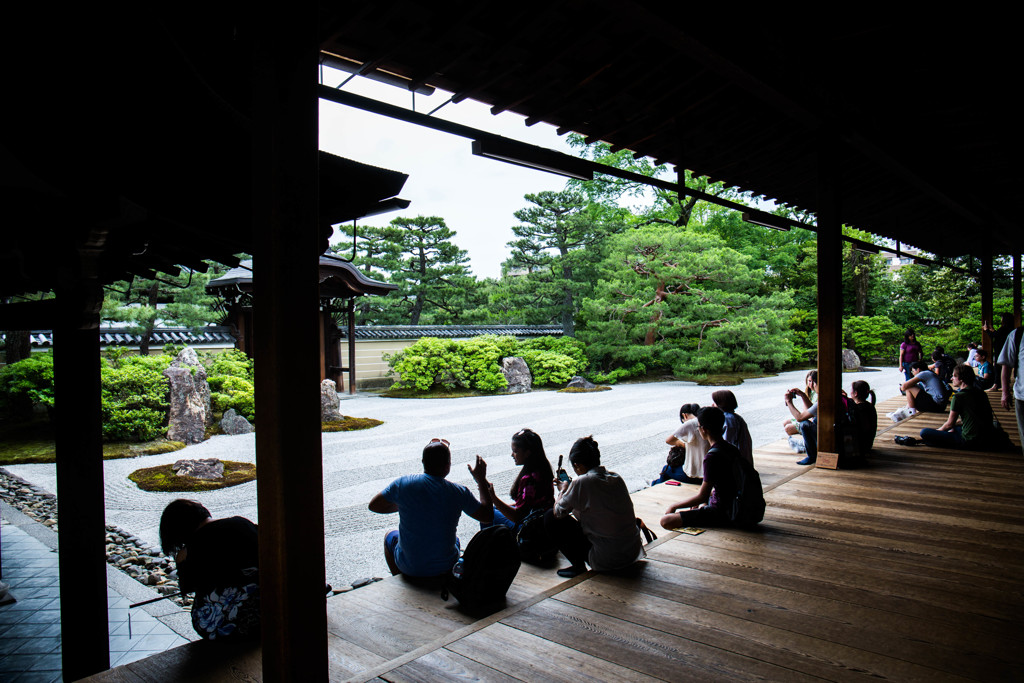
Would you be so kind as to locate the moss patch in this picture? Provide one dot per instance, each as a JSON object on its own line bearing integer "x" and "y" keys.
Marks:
{"x": 727, "y": 379}
{"x": 30, "y": 442}
{"x": 582, "y": 390}
{"x": 350, "y": 424}
{"x": 163, "y": 478}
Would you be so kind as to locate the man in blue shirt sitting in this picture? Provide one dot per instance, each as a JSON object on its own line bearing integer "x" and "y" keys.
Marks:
{"x": 428, "y": 507}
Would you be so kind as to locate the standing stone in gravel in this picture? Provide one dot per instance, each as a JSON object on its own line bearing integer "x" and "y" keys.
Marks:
{"x": 187, "y": 358}
{"x": 517, "y": 373}
{"x": 578, "y": 382}
{"x": 187, "y": 422}
{"x": 233, "y": 423}
{"x": 330, "y": 405}
{"x": 851, "y": 361}
{"x": 208, "y": 468}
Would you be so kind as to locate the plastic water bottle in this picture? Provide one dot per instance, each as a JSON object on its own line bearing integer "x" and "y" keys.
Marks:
{"x": 457, "y": 569}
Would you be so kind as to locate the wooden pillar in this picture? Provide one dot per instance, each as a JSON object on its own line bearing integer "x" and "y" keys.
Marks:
{"x": 82, "y": 562}
{"x": 985, "y": 277}
{"x": 1016, "y": 291}
{"x": 286, "y": 311}
{"x": 830, "y": 304}
{"x": 324, "y": 332}
{"x": 352, "y": 346}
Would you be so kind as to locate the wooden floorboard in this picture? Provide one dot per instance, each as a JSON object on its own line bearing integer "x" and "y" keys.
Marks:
{"x": 907, "y": 569}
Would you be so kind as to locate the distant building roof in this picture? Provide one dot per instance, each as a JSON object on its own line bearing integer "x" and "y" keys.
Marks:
{"x": 218, "y": 336}
{"x": 452, "y": 331}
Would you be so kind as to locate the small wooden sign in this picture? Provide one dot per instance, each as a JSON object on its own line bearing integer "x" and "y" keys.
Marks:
{"x": 828, "y": 461}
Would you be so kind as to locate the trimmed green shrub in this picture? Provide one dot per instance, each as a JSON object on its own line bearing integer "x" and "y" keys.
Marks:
{"x": 550, "y": 367}
{"x": 476, "y": 363}
{"x": 427, "y": 362}
{"x": 27, "y": 383}
{"x": 481, "y": 361}
{"x": 230, "y": 363}
{"x": 234, "y": 392}
{"x": 134, "y": 397}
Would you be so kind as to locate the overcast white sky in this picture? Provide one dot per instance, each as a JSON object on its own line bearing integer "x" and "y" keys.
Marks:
{"x": 475, "y": 196}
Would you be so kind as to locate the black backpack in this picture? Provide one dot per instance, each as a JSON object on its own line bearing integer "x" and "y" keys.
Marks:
{"x": 535, "y": 547}
{"x": 488, "y": 566}
{"x": 748, "y": 507}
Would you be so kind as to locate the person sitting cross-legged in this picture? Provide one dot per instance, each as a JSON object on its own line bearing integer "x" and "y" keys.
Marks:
{"x": 428, "y": 507}
{"x": 970, "y": 405}
{"x": 925, "y": 391}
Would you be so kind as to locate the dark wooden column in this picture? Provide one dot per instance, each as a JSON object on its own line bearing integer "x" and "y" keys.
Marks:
{"x": 352, "y": 346}
{"x": 985, "y": 277}
{"x": 830, "y": 304}
{"x": 286, "y": 311}
{"x": 1016, "y": 291}
{"x": 81, "y": 515}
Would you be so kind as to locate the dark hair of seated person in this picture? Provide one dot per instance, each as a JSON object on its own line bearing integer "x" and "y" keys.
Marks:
{"x": 585, "y": 453}
{"x": 688, "y": 409}
{"x": 725, "y": 400}
{"x": 437, "y": 458}
{"x": 712, "y": 421}
{"x": 179, "y": 520}
{"x": 966, "y": 374}
{"x": 676, "y": 456}
{"x": 919, "y": 365}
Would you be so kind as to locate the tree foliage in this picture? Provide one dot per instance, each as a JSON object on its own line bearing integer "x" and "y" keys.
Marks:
{"x": 419, "y": 256}
{"x": 175, "y": 299}
{"x": 557, "y": 246}
{"x": 686, "y": 302}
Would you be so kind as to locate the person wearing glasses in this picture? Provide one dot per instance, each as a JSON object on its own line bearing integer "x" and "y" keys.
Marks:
{"x": 428, "y": 507}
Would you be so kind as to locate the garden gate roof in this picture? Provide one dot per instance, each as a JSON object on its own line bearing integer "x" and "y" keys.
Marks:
{"x": 339, "y": 279}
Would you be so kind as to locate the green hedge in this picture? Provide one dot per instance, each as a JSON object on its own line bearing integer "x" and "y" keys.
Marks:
{"x": 27, "y": 383}
{"x": 476, "y": 363}
{"x": 134, "y": 397}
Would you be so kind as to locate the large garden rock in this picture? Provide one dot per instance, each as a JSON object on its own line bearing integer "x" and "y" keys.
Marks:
{"x": 578, "y": 382}
{"x": 330, "y": 405}
{"x": 518, "y": 375}
{"x": 232, "y": 423}
{"x": 187, "y": 421}
{"x": 187, "y": 358}
{"x": 210, "y": 469}
{"x": 851, "y": 361}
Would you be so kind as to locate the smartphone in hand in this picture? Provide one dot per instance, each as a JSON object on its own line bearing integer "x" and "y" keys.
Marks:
{"x": 561, "y": 473}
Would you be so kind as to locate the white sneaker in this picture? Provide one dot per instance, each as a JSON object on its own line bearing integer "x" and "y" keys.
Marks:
{"x": 895, "y": 415}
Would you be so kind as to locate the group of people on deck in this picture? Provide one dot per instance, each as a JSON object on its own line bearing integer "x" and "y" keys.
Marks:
{"x": 931, "y": 387}
{"x": 589, "y": 518}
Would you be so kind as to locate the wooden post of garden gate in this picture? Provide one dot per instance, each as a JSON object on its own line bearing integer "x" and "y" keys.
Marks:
{"x": 286, "y": 307}
{"x": 830, "y": 304}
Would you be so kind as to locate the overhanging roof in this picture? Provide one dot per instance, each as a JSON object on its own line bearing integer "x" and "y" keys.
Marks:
{"x": 930, "y": 150}
{"x": 339, "y": 279}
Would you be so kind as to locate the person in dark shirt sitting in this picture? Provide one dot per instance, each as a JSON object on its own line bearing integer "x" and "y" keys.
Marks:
{"x": 726, "y": 472}
{"x": 971, "y": 406}
{"x": 218, "y": 560}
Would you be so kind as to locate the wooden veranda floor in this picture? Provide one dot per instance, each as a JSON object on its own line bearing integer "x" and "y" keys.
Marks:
{"x": 910, "y": 569}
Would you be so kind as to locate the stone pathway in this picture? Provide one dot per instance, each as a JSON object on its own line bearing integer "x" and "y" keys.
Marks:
{"x": 30, "y": 648}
